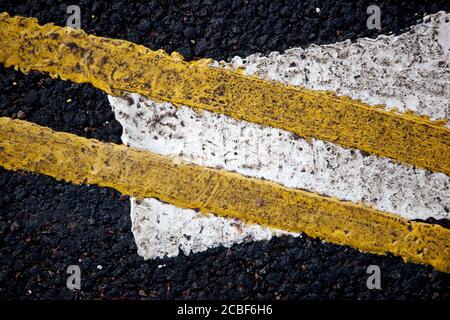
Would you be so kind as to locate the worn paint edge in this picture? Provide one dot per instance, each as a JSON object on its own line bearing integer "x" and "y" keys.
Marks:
{"x": 114, "y": 65}
{"x": 27, "y": 146}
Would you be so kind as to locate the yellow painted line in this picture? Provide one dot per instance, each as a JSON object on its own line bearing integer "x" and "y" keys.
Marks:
{"x": 26, "y": 146}
{"x": 114, "y": 65}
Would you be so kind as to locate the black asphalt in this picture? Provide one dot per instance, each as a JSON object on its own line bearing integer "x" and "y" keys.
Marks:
{"x": 47, "y": 225}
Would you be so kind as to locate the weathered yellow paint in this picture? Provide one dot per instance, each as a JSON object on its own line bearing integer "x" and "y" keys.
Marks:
{"x": 114, "y": 65}
{"x": 29, "y": 147}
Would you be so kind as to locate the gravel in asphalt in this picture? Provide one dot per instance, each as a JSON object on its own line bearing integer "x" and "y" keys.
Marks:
{"x": 47, "y": 225}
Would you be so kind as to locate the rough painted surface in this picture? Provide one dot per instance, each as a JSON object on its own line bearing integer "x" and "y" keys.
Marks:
{"x": 409, "y": 72}
{"x": 414, "y": 81}
{"x": 144, "y": 174}
{"x": 119, "y": 65}
{"x": 161, "y": 230}
{"x": 217, "y": 141}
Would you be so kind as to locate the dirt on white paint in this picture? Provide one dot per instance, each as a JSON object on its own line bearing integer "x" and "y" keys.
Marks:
{"x": 407, "y": 72}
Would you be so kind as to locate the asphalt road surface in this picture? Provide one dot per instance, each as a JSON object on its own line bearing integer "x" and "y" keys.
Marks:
{"x": 46, "y": 225}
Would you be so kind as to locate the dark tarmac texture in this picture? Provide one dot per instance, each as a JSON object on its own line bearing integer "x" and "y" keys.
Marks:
{"x": 47, "y": 225}
{"x": 221, "y": 29}
{"x": 61, "y": 105}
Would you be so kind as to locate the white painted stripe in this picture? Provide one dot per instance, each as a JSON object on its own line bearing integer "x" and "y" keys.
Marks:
{"x": 218, "y": 141}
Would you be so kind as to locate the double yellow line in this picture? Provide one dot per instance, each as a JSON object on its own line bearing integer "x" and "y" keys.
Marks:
{"x": 114, "y": 65}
